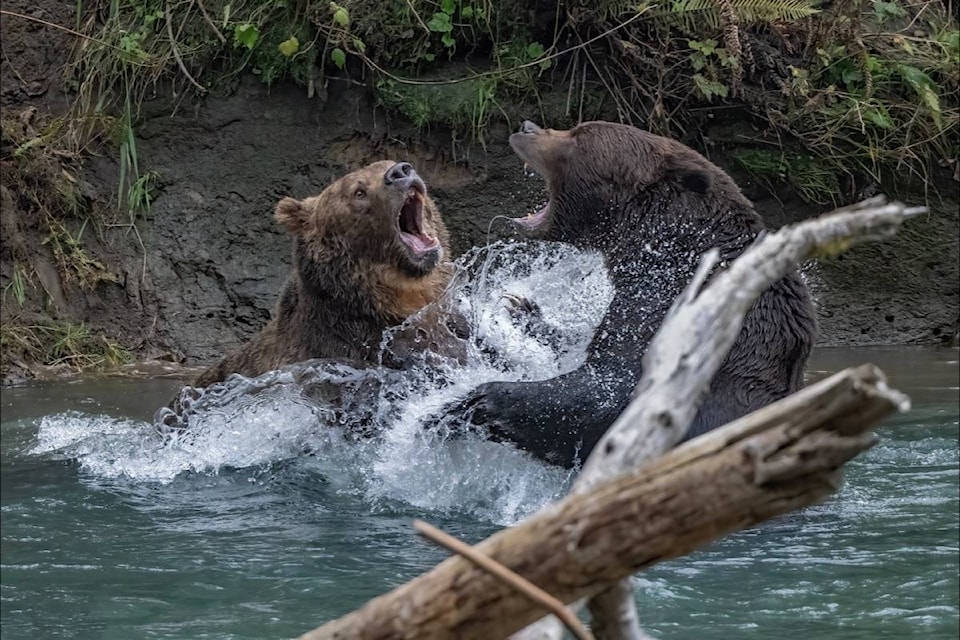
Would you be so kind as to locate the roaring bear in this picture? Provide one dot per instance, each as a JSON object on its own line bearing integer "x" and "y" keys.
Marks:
{"x": 368, "y": 252}
{"x": 651, "y": 206}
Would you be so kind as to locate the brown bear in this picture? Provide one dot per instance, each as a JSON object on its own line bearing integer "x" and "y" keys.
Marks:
{"x": 368, "y": 252}
{"x": 652, "y": 207}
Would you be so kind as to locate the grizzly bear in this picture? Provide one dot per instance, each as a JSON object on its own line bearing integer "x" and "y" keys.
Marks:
{"x": 368, "y": 252}
{"x": 651, "y": 206}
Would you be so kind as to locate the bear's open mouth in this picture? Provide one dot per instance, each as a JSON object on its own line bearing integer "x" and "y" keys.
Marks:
{"x": 536, "y": 219}
{"x": 410, "y": 224}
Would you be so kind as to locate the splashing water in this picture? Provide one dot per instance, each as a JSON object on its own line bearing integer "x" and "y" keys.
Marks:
{"x": 312, "y": 413}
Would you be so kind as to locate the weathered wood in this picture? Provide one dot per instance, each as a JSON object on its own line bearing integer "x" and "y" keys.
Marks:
{"x": 532, "y": 591}
{"x": 768, "y": 463}
{"x": 776, "y": 460}
{"x": 690, "y": 346}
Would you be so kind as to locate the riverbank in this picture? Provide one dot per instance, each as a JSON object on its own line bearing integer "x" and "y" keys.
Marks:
{"x": 196, "y": 271}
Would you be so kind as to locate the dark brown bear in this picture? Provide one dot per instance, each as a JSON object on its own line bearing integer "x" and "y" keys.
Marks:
{"x": 652, "y": 207}
{"x": 369, "y": 251}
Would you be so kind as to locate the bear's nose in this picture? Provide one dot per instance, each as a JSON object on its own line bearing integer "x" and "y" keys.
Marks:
{"x": 529, "y": 127}
{"x": 398, "y": 171}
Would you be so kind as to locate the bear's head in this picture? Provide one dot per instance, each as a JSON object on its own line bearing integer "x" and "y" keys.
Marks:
{"x": 595, "y": 169}
{"x": 376, "y": 220}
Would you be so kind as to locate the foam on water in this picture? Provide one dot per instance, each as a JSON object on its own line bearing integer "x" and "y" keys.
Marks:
{"x": 299, "y": 413}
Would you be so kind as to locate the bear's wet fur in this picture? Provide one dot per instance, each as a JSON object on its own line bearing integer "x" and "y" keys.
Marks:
{"x": 368, "y": 252}
{"x": 651, "y": 206}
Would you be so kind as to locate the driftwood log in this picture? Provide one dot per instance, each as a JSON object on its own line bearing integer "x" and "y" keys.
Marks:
{"x": 686, "y": 353}
{"x": 783, "y": 457}
{"x": 619, "y": 520}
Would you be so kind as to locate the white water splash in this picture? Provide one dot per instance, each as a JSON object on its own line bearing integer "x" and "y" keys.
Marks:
{"x": 297, "y": 413}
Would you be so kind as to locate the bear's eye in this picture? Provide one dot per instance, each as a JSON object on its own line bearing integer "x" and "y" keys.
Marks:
{"x": 360, "y": 193}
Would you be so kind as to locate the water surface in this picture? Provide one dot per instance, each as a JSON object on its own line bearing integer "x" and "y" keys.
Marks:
{"x": 265, "y": 519}
{"x": 273, "y": 549}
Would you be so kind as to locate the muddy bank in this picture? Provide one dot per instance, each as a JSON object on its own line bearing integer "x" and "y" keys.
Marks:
{"x": 202, "y": 269}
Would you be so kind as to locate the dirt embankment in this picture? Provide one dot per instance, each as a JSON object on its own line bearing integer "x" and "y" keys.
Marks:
{"x": 201, "y": 272}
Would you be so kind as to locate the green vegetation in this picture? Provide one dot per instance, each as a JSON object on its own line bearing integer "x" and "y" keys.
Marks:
{"x": 17, "y": 287}
{"x": 860, "y": 87}
{"x": 40, "y": 165}
{"x": 814, "y": 182}
{"x": 74, "y": 263}
{"x": 61, "y": 344}
{"x": 824, "y": 96}
{"x": 42, "y": 169}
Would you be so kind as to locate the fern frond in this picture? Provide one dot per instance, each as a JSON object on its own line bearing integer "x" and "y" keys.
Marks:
{"x": 748, "y": 11}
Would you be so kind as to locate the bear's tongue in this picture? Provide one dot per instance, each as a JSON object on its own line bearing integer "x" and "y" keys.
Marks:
{"x": 535, "y": 219}
{"x": 411, "y": 225}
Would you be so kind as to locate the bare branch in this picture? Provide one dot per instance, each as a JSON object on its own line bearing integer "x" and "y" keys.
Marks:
{"x": 525, "y": 587}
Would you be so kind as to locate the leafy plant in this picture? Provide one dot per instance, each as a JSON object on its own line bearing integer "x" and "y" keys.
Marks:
{"x": 696, "y": 13}
{"x": 73, "y": 262}
{"x": 140, "y": 194}
{"x": 861, "y": 86}
{"x": 17, "y": 287}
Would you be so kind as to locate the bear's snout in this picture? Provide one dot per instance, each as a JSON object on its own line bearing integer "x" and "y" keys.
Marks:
{"x": 403, "y": 177}
{"x": 529, "y": 127}
{"x": 399, "y": 171}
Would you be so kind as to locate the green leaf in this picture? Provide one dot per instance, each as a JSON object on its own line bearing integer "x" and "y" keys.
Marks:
{"x": 707, "y": 47}
{"x": 851, "y": 76}
{"x": 466, "y": 12}
{"x": 884, "y": 9}
{"x": 289, "y": 46}
{"x": 925, "y": 88}
{"x": 429, "y": 57}
{"x": 877, "y": 117}
{"x": 341, "y": 17}
{"x": 448, "y": 6}
{"x": 440, "y": 23}
{"x": 338, "y": 57}
{"x": 448, "y": 41}
{"x": 246, "y": 35}
{"x": 534, "y": 50}
{"x": 709, "y": 88}
{"x": 952, "y": 40}
{"x": 359, "y": 45}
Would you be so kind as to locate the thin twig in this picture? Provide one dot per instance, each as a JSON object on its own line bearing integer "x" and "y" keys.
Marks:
{"x": 417, "y": 16}
{"x": 210, "y": 22}
{"x": 499, "y": 571}
{"x": 176, "y": 53}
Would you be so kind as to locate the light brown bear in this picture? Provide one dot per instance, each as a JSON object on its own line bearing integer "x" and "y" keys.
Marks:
{"x": 368, "y": 252}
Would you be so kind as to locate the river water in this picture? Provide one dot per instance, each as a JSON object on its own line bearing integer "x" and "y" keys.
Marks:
{"x": 259, "y": 525}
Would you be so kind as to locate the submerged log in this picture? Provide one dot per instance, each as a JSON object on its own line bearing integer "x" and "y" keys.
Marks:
{"x": 619, "y": 520}
{"x": 783, "y": 457}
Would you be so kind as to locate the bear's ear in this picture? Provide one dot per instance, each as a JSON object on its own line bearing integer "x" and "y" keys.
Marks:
{"x": 291, "y": 214}
{"x": 697, "y": 180}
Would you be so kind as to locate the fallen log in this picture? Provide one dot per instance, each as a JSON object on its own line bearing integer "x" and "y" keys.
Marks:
{"x": 781, "y": 458}
{"x": 686, "y": 353}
